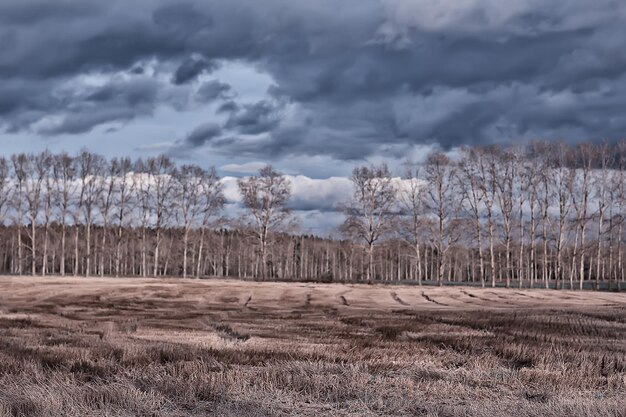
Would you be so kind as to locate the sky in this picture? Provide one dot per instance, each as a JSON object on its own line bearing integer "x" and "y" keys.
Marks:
{"x": 312, "y": 87}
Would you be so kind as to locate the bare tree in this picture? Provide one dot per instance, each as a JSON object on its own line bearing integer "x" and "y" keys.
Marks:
{"x": 45, "y": 163}
{"x": 89, "y": 167}
{"x": 123, "y": 203}
{"x": 487, "y": 186}
{"x": 563, "y": 179}
{"x": 620, "y": 218}
{"x": 503, "y": 175}
{"x": 532, "y": 177}
{"x": 545, "y": 200}
{"x": 265, "y": 196}
{"x": 411, "y": 202}
{"x": 143, "y": 181}
{"x": 33, "y": 168}
{"x": 161, "y": 170}
{"x": 188, "y": 197}
{"x": 370, "y": 211}
{"x": 4, "y": 188}
{"x": 580, "y": 189}
{"x": 440, "y": 202}
{"x": 19, "y": 169}
{"x": 520, "y": 194}
{"x": 601, "y": 187}
{"x": 473, "y": 198}
{"x": 108, "y": 184}
{"x": 64, "y": 174}
{"x": 211, "y": 189}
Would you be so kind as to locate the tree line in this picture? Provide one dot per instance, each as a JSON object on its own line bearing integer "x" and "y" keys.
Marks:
{"x": 530, "y": 215}
{"x": 535, "y": 215}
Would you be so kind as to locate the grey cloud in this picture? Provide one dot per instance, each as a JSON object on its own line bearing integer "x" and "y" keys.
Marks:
{"x": 228, "y": 107}
{"x": 253, "y": 119}
{"x": 85, "y": 121}
{"x": 191, "y": 68}
{"x": 213, "y": 90}
{"x": 35, "y": 11}
{"x": 137, "y": 70}
{"x": 360, "y": 76}
{"x": 130, "y": 92}
{"x": 116, "y": 101}
{"x": 23, "y": 103}
{"x": 203, "y": 134}
{"x": 182, "y": 18}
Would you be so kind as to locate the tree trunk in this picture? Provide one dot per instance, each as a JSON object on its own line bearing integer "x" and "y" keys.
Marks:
{"x": 75, "y": 250}
{"x": 102, "y": 249}
{"x": 33, "y": 248}
{"x": 532, "y": 262}
{"x": 492, "y": 256}
{"x": 44, "y": 260}
{"x": 118, "y": 253}
{"x": 263, "y": 255}
{"x": 574, "y": 254}
{"x": 481, "y": 261}
{"x": 582, "y": 255}
{"x": 88, "y": 249}
{"x": 200, "y": 249}
{"x": 418, "y": 257}
{"x": 62, "y": 266}
{"x": 545, "y": 254}
{"x": 156, "y": 251}
{"x": 19, "y": 250}
{"x": 144, "y": 265}
{"x": 599, "y": 255}
{"x": 185, "y": 250}
{"x": 370, "y": 266}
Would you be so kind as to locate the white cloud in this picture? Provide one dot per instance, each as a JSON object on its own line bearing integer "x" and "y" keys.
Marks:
{"x": 245, "y": 168}
{"x": 323, "y": 194}
{"x": 315, "y": 202}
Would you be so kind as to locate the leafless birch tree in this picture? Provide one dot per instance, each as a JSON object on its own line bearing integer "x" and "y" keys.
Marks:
{"x": 370, "y": 211}
{"x": 64, "y": 175}
{"x": 442, "y": 205}
{"x": 411, "y": 205}
{"x": 265, "y": 196}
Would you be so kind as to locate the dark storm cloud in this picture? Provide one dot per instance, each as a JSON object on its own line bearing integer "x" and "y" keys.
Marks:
{"x": 190, "y": 69}
{"x": 35, "y": 11}
{"x": 228, "y": 107}
{"x": 116, "y": 101}
{"x": 203, "y": 134}
{"x": 85, "y": 121}
{"x": 253, "y": 119}
{"x": 360, "y": 77}
{"x": 213, "y": 90}
{"x": 133, "y": 93}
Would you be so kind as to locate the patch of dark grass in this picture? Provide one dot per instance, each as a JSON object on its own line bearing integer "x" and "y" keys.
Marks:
{"x": 228, "y": 332}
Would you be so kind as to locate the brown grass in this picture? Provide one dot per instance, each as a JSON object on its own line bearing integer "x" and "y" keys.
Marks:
{"x": 132, "y": 347}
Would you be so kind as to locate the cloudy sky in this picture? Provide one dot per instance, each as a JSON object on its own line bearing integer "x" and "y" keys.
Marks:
{"x": 313, "y": 87}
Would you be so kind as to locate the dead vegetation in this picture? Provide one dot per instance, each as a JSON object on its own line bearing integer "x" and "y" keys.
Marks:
{"x": 106, "y": 347}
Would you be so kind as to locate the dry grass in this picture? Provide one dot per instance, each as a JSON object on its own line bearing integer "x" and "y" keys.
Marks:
{"x": 131, "y": 347}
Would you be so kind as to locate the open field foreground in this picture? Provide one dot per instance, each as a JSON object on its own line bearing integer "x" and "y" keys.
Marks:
{"x": 127, "y": 347}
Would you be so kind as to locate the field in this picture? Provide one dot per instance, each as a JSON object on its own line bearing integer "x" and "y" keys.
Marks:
{"x": 141, "y": 347}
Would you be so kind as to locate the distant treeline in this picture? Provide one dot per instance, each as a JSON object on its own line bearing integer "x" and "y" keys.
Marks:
{"x": 527, "y": 215}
